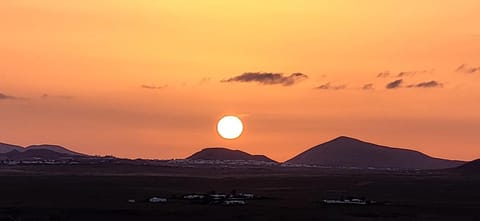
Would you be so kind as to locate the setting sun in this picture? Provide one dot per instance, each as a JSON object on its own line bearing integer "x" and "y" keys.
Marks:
{"x": 230, "y": 127}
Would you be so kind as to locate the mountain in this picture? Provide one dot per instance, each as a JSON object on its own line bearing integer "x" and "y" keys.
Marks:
{"x": 54, "y": 148}
{"x": 34, "y": 154}
{"x": 219, "y": 153}
{"x": 350, "y": 152}
{"x": 472, "y": 167}
{"x": 5, "y": 148}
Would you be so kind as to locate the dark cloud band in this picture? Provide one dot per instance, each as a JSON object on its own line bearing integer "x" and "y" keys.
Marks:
{"x": 268, "y": 78}
{"x": 427, "y": 84}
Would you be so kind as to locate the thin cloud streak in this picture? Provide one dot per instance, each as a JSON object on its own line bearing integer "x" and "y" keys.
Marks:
{"x": 7, "y": 97}
{"x": 386, "y": 74}
{"x": 152, "y": 87}
{"x": 328, "y": 86}
{"x": 427, "y": 84}
{"x": 464, "y": 68}
{"x": 383, "y": 74}
{"x": 394, "y": 84}
{"x": 367, "y": 87}
{"x": 47, "y": 96}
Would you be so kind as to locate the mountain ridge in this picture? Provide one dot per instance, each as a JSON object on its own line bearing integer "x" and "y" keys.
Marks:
{"x": 345, "y": 151}
{"x": 222, "y": 153}
{"x": 6, "y": 148}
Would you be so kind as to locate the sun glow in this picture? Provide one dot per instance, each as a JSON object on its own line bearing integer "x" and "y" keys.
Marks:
{"x": 230, "y": 127}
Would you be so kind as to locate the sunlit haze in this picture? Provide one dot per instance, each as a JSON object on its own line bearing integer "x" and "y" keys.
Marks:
{"x": 151, "y": 79}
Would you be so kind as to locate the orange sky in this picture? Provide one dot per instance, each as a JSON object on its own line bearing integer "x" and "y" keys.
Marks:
{"x": 92, "y": 57}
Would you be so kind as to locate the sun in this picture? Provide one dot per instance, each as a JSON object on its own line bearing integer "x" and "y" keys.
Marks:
{"x": 230, "y": 127}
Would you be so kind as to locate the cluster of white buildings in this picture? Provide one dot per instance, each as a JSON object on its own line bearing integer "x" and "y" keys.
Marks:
{"x": 223, "y": 162}
{"x": 214, "y": 198}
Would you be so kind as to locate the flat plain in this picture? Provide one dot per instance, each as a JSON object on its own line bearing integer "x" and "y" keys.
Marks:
{"x": 101, "y": 192}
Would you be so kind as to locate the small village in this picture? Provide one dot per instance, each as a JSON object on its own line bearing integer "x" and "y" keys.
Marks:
{"x": 242, "y": 199}
{"x": 211, "y": 198}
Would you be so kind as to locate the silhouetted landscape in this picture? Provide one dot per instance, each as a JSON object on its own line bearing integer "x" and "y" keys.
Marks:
{"x": 219, "y": 153}
{"x": 349, "y": 152}
{"x": 342, "y": 179}
{"x": 239, "y": 110}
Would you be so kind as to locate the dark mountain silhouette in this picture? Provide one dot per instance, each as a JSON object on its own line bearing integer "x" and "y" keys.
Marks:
{"x": 349, "y": 152}
{"x": 35, "y": 154}
{"x": 472, "y": 167}
{"x": 55, "y": 148}
{"x": 5, "y": 148}
{"x": 219, "y": 153}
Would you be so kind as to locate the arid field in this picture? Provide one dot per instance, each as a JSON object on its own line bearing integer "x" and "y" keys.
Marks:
{"x": 101, "y": 192}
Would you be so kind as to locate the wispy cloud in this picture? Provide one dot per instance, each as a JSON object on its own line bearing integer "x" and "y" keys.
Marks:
{"x": 153, "y": 87}
{"x": 7, "y": 97}
{"x": 328, "y": 86}
{"x": 413, "y": 73}
{"x": 267, "y": 78}
{"x": 406, "y": 73}
{"x": 386, "y": 74}
{"x": 47, "y": 96}
{"x": 464, "y": 68}
{"x": 383, "y": 74}
{"x": 367, "y": 87}
{"x": 205, "y": 80}
{"x": 427, "y": 84}
{"x": 394, "y": 84}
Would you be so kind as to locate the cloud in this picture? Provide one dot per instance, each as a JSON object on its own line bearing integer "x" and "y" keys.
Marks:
{"x": 268, "y": 78}
{"x": 383, "y": 74}
{"x": 205, "y": 80}
{"x": 464, "y": 68}
{"x": 152, "y": 87}
{"x": 394, "y": 84}
{"x": 427, "y": 84}
{"x": 47, "y": 96}
{"x": 406, "y": 73}
{"x": 413, "y": 73}
{"x": 367, "y": 87}
{"x": 7, "y": 97}
{"x": 386, "y": 74}
{"x": 328, "y": 86}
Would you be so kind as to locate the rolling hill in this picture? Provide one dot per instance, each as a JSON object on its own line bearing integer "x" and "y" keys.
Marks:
{"x": 219, "y": 153}
{"x": 470, "y": 168}
{"x": 34, "y": 154}
{"x": 54, "y": 148}
{"x": 350, "y": 152}
{"x": 5, "y": 148}
{"x": 47, "y": 151}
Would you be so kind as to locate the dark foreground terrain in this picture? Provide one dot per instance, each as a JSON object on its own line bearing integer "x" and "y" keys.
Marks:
{"x": 101, "y": 192}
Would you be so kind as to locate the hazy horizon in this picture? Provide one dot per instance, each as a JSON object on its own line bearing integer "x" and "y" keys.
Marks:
{"x": 240, "y": 149}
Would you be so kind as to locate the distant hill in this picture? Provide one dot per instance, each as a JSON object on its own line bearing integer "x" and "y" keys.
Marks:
{"x": 5, "y": 148}
{"x": 34, "y": 154}
{"x": 472, "y": 167}
{"x": 350, "y": 152}
{"x": 55, "y": 148}
{"x": 218, "y": 153}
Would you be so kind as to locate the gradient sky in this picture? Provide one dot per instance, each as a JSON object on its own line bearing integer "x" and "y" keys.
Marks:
{"x": 150, "y": 78}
